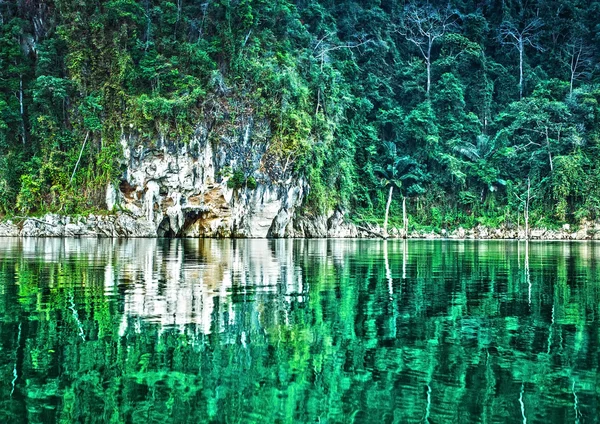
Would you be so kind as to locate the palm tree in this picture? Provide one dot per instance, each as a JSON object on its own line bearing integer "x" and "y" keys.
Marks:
{"x": 396, "y": 171}
{"x": 479, "y": 155}
{"x": 483, "y": 149}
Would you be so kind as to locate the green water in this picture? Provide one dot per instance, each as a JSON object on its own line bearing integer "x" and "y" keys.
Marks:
{"x": 283, "y": 331}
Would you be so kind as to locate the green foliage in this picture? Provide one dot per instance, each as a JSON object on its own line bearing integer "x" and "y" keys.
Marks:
{"x": 29, "y": 198}
{"x": 251, "y": 183}
{"x": 335, "y": 83}
{"x": 237, "y": 180}
{"x": 569, "y": 183}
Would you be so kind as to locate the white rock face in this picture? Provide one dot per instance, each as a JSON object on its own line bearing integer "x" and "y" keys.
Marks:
{"x": 111, "y": 197}
{"x": 117, "y": 225}
{"x": 181, "y": 189}
{"x": 8, "y": 229}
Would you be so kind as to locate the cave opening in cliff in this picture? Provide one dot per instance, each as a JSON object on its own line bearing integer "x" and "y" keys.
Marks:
{"x": 165, "y": 230}
{"x": 190, "y": 218}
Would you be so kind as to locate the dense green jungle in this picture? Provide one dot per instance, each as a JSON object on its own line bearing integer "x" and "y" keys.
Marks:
{"x": 458, "y": 107}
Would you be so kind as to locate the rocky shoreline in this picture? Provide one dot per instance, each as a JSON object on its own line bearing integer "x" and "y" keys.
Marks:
{"x": 125, "y": 225}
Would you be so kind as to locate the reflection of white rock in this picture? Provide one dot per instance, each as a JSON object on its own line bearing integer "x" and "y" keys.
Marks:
{"x": 206, "y": 284}
{"x": 195, "y": 273}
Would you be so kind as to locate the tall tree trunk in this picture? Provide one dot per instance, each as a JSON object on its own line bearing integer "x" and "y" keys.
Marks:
{"x": 571, "y": 84}
{"x": 527, "y": 274}
{"x": 574, "y": 66}
{"x": 387, "y": 211}
{"x": 518, "y": 222}
{"x": 428, "y": 63}
{"x": 404, "y": 257}
{"x": 79, "y": 158}
{"x": 521, "y": 68}
{"x": 22, "y": 108}
{"x": 549, "y": 152}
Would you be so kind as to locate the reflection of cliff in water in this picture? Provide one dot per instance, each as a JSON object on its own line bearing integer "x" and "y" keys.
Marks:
{"x": 230, "y": 330}
{"x": 179, "y": 282}
{"x": 212, "y": 284}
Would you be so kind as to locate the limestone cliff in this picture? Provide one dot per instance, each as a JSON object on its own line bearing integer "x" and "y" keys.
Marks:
{"x": 171, "y": 189}
{"x": 182, "y": 188}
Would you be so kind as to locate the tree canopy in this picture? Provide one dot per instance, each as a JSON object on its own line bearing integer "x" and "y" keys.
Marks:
{"x": 482, "y": 96}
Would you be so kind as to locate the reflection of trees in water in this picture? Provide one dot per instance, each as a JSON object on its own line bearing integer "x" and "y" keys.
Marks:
{"x": 236, "y": 330}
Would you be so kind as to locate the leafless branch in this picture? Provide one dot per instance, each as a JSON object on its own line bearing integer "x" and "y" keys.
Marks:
{"x": 343, "y": 46}
{"x": 525, "y": 146}
{"x": 423, "y": 25}
{"x": 321, "y": 40}
{"x": 509, "y": 34}
{"x": 324, "y": 50}
{"x": 580, "y": 61}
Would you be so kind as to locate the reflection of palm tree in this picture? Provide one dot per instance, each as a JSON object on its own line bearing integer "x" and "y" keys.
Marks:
{"x": 388, "y": 270}
{"x": 522, "y": 404}
{"x": 575, "y": 403}
{"x": 16, "y": 366}
{"x": 390, "y": 281}
{"x": 397, "y": 170}
{"x": 404, "y": 255}
{"x": 527, "y": 274}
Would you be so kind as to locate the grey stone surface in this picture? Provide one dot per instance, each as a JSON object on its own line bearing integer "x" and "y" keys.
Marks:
{"x": 8, "y": 229}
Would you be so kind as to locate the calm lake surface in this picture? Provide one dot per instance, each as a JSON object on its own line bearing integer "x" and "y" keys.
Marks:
{"x": 282, "y": 331}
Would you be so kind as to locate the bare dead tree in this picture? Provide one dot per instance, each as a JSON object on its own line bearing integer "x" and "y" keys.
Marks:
{"x": 79, "y": 158}
{"x": 543, "y": 128}
{"x": 509, "y": 34}
{"x": 580, "y": 61}
{"x": 423, "y": 26}
{"x": 323, "y": 48}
